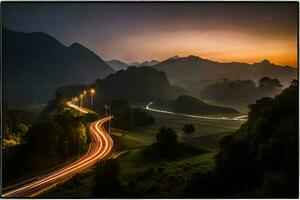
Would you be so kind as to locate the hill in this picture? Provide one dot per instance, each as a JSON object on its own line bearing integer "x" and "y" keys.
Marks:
{"x": 193, "y": 68}
{"x": 259, "y": 160}
{"x": 190, "y": 105}
{"x": 117, "y": 65}
{"x": 241, "y": 92}
{"x": 137, "y": 84}
{"x": 35, "y": 64}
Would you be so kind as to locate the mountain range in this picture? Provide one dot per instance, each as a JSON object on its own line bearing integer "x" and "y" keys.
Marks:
{"x": 119, "y": 65}
{"x": 193, "y": 68}
{"x": 35, "y": 64}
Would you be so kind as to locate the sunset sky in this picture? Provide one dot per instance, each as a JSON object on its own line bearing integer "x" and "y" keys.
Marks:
{"x": 225, "y": 32}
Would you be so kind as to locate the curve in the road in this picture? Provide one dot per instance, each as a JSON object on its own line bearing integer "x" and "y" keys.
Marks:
{"x": 239, "y": 118}
{"x": 102, "y": 146}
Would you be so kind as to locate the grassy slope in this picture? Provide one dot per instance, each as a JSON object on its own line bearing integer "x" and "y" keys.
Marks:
{"x": 133, "y": 166}
{"x": 215, "y": 129}
{"x": 168, "y": 176}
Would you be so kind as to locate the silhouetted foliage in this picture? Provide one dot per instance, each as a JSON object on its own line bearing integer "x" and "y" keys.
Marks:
{"x": 188, "y": 128}
{"x": 166, "y": 138}
{"x": 141, "y": 118}
{"x": 73, "y": 138}
{"x": 127, "y": 118}
{"x": 43, "y": 137}
{"x": 241, "y": 91}
{"x": 107, "y": 183}
{"x": 261, "y": 158}
{"x": 54, "y": 108}
{"x": 90, "y": 117}
{"x": 269, "y": 83}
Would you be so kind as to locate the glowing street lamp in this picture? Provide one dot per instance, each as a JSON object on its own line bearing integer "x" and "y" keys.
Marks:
{"x": 76, "y": 99}
{"x": 92, "y": 91}
{"x": 81, "y": 99}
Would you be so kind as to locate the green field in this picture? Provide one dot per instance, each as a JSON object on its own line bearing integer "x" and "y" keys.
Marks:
{"x": 150, "y": 178}
{"x": 207, "y": 133}
{"x": 135, "y": 171}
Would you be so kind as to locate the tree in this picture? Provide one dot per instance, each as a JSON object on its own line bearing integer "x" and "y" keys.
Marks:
{"x": 266, "y": 82}
{"x": 261, "y": 158}
{"x": 54, "y": 108}
{"x": 166, "y": 138}
{"x": 90, "y": 117}
{"x": 188, "y": 128}
{"x": 43, "y": 137}
{"x": 107, "y": 183}
{"x": 141, "y": 118}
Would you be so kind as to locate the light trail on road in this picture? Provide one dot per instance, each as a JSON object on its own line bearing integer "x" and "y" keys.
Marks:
{"x": 239, "y": 118}
{"x": 100, "y": 149}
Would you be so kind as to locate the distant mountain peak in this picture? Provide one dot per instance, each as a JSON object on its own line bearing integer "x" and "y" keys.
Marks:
{"x": 76, "y": 45}
{"x": 265, "y": 61}
{"x": 145, "y": 63}
{"x": 194, "y": 57}
{"x": 173, "y": 57}
{"x": 117, "y": 64}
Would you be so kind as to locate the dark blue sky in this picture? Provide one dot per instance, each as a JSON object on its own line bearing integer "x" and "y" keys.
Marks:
{"x": 142, "y": 31}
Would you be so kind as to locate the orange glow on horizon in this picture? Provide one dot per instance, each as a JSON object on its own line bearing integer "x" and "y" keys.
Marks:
{"x": 220, "y": 46}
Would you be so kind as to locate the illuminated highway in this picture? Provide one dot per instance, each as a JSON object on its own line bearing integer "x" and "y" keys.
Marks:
{"x": 239, "y": 118}
{"x": 101, "y": 147}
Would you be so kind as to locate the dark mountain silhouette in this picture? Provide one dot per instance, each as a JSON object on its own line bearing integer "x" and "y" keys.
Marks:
{"x": 193, "y": 68}
{"x": 191, "y": 105}
{"x": 241, "y": 92}
{"x": 137, "y": 84}
{"x": 117, "y": 64}
{"x": 146, "y": 63}
{"x": 35, "y": 64}
{"x": 173, "y": 57}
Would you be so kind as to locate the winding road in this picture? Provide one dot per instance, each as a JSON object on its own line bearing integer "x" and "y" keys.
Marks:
{"x": 100, "y": 148}
{"x": 238, "y": 118}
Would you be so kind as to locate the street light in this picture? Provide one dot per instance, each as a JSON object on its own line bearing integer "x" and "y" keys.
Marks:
{"x": 81, "y": 99}
{"x": 92, "y": 91}
{"x": 75, "y": 99}
{"x": 108, "y": 113}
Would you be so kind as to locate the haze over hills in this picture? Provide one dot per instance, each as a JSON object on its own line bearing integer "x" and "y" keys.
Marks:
{"x": 117, "y": 64}
{"x": 193, "y": 68}
{"x": 35, "y": 64}
{"x": 138, "y": 84}
{"x": 145, "y": 63}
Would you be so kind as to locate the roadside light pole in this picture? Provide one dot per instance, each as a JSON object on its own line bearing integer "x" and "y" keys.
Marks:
{"x": 106, "y": 107}
{"x": 92, "y": 91}
{"x": 84, "y": 94}
{"x": 108, "y": 113}
{"x": 66, "y": 143}
{"x": 79, "y": 138}
{"x": 81, "y": 99}
{"x": 76, "y": 100}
